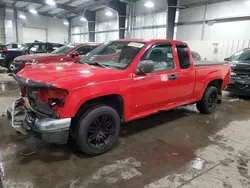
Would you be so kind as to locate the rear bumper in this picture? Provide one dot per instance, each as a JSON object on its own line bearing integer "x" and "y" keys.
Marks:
{"x": 45, "y": 128}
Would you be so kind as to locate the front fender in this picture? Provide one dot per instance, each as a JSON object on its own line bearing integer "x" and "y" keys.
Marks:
{"x": 76, "y": 98}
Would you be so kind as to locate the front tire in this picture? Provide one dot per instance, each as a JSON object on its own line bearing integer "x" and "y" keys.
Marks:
{"x": 98, "y": 130}
{"x": 11, "y": 66}
{"x": 209, "y": 101}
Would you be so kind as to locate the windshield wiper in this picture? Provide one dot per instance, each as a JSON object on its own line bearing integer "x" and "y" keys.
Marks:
{"x": 98, "y": 64}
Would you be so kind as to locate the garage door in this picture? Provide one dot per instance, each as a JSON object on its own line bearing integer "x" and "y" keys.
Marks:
{"x": 32, "y": 34}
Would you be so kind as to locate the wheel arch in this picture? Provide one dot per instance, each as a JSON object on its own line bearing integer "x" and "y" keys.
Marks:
{"x": 217, "y": 83}
{"x": 116, "y": 101}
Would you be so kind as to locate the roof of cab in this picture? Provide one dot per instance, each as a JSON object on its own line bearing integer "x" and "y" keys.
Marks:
{"x": 149, "y": 40}
{"x": 84, "y": 44}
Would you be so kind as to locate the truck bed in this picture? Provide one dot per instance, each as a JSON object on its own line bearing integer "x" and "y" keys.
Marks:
{"x": 198, "y": 63}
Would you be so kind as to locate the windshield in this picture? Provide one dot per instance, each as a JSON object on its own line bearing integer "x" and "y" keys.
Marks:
{"x": 9, "y": 45}
{"x": 243, "y": 55}
{"x": 236, "y": 56}
{"x": 117, "y": 54}
{"x": 25, "y": 46}
{"x": 63, "y": 49}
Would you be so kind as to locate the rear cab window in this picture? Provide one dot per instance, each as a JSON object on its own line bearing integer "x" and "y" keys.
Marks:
{"x": 183, "y": 55}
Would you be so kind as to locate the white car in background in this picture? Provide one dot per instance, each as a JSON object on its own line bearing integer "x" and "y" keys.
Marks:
{"x": 14, "y": 45}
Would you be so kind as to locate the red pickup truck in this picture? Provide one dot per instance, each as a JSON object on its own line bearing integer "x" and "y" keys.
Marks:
{"x": 117, "y": 82}
{"x": 68, "y": 53}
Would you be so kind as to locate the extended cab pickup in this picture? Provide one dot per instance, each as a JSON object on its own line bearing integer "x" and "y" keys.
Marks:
{"x": 117, "y": 82}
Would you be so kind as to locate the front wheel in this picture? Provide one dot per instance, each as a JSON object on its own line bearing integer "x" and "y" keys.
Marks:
{"x": 98, "y": 130}
{"x": 209, "y": 101}
{"x": 11, "y": 66}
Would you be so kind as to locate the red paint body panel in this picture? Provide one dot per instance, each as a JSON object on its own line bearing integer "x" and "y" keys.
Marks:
{"x": 142, "y": 94}
{"x": 54, "y": 58}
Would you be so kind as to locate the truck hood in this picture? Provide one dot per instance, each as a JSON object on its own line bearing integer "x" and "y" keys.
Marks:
{"x": 37, "y": 56}
{"x": 70, "y": 75}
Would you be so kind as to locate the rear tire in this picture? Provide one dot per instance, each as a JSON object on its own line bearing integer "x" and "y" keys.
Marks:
{"x": 98, "y": 130}
{"x": 209, "y": 101}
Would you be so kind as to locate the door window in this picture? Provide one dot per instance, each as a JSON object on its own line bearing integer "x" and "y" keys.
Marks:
{"x": 52, "y": 47}
{"x": 162, "y": 56}
{"x": 14, "y": 46}
{"x": 184, "y": 59}
{"x": 84, "y": 50}
{"x": 38, "y": 48}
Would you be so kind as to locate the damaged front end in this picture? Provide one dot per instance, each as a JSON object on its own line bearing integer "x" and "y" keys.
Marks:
{"x": 37, "y": 112}
{"x": 239, "y": 84}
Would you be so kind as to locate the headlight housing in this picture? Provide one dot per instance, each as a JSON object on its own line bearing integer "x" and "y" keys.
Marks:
{"x": 54, "y": 97}
{"x": 33, "y": 62}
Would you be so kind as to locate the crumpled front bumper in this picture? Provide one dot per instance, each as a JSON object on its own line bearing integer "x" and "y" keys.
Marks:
{"x": 239, "y": 85}
{"x": 48, "y": 129}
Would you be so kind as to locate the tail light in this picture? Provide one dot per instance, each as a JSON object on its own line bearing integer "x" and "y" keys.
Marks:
{"x": 54, "y": 97}
{"x": 5, "y": 49}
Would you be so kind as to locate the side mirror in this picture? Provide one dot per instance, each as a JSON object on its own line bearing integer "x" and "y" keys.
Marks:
{"x": 145, "y": 67}
{"x": 227, "y": 59}
{"x": 74, "y": 54}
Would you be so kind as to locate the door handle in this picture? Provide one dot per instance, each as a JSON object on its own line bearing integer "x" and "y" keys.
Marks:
{"x": 172, "y": 77}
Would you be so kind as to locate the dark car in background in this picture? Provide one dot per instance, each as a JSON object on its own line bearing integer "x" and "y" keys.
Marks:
{"x": 9, "y": 46}
{"x": 28, "y": 48}
{"x": 240, "y": 72}
{"x": 69, "y": 53}
{"x": 2, "y": 49}
{"x": 195, "y": 55}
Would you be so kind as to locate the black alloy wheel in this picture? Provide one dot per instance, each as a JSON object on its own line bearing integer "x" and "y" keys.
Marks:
{"x": 97, "y": 129}
{"x": 101, "y": 131}
{"x": 209, "y": 100}
{"x": 212, "y": 100}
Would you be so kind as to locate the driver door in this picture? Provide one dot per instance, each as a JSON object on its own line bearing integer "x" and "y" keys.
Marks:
{"x": 157, "y": 90}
